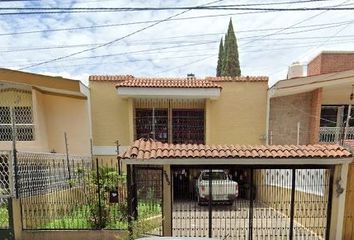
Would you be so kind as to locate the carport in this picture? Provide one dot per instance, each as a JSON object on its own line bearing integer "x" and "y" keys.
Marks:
{"x": 283, "y": 192}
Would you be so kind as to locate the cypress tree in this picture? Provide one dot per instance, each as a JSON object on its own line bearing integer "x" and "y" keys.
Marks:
{"x": 231, "y": 64}
{"x": 220, "y": 58}
{"x": 224, "y": 67}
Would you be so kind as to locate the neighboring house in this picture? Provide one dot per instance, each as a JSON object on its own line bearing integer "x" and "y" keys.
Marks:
{"x": 177, "y": 110}
{"x": 314, "y": 108}
{"x": 317, "y": 108}
{"x": 43, "y": 108}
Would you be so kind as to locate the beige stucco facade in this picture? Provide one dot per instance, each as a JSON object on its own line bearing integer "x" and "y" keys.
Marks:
{"x": 238, "y": 116}
{"x": 57, "y": 110}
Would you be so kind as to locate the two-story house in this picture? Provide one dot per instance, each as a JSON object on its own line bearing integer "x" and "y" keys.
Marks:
{"x": 42, "y": 108}
{"x": 211, "y": 110}
{"x": 316, "y": 107}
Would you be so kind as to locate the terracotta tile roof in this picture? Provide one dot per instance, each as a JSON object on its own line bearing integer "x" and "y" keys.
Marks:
{"x": 161, "y": 82}
{"x": 110, "y": 77}
{"x": 168, "y": 83}
{"x": 145, "y": 149}
{"x": 238, "y": 79}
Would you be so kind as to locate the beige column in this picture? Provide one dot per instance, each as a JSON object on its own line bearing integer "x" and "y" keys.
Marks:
{"x": 17, "y": 222}
{"x": 338, "y": 201}
{"x": 131, "y": 119}
{"x": 167, "y": 201}
{"x": 207, "y": 126}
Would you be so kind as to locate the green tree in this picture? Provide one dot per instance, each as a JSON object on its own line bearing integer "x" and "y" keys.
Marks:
{"x": 220, "y": 58}
{"x": 230, "y": 63}
{"x": 224, "y": 67}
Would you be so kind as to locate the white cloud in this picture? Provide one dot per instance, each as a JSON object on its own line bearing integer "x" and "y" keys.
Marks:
{"x": 261, "y": 53}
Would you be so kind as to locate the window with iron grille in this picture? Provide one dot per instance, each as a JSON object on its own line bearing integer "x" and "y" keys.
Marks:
{"x": 151, "y": 123}
{"x": 181, "y": 126}
{"x": 22, "y": 118}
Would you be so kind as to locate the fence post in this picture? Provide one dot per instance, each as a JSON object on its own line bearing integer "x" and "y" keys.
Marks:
{"x": 292, "y": 204}
{"x": 130, "y": 200}
{"x": 67, "y": 158}
{"x": 210, "y": 202}
{"x": 99, "y": 194}
{"x": 250, "y": 220}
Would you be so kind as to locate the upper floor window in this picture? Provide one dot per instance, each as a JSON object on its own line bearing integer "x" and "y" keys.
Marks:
{"x": 152, "y": 123}
{"x": 170, "y": 125}
{"x": 21, "y": 117}
{"x": 336, "y": 116}
{"x": 188, "y": 126}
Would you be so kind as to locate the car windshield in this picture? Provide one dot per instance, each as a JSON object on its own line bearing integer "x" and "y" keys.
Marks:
{"x": 214, "y": 175}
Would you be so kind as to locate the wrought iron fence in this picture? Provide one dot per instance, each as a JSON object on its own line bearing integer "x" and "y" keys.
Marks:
{"x": 252, "y": 202}
{"x": 145, "y": 201}
{"x": 5, "y": 188}
{"x": 60, "y": 192}
{"x": 335, "y": 134}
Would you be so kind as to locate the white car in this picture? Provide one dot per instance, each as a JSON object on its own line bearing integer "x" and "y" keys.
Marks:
{"x": 224, "y": 189}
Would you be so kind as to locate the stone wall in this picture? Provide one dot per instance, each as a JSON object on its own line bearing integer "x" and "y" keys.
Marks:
{"x": 285, "y": 113}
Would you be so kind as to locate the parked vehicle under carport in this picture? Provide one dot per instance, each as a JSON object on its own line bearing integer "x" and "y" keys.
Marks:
{"x": 224, "y": 190}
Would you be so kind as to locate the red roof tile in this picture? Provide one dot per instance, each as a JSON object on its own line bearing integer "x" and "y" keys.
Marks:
{"x": 112, "y": 78}
{"x": 238, "y": 79}
{"x": 161, "y": 82}
{"x": 168, "y": 83}
{"x": 145, "y": 149}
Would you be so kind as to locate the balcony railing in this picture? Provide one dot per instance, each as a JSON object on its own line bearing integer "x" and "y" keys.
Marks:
{"x": 335, "y": 134}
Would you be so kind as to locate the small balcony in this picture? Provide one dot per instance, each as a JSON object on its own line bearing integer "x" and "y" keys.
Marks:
{"x": 335, "y": 134}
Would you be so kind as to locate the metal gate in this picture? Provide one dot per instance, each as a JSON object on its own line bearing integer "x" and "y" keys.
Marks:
{"x": 145, "y": 200}
{"x": 278, "y": 202}
{"x": 6, "y": 219}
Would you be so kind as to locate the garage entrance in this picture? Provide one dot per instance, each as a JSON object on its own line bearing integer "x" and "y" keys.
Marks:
{"x": 248, "y": 202}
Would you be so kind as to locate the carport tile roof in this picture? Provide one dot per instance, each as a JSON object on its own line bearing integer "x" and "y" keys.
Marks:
{"x": 145, "y": 149}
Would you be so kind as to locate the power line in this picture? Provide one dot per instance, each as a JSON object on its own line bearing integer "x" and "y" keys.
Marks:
{"x": 223, "y": 9}
{"x": 330, "y": 25}
{"x": 141, "y": 51}
{"x": 121, "y": 24}
{"x": 212, "y": 7}
{"x": 136, "y": 60}
{"x": 186, "y": 64}
{"x": 110, "y": 42}
{"x": 295, "y": 24}
{"x": 153, "y": 21}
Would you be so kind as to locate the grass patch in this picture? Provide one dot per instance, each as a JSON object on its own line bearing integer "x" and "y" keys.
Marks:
{"x": 117, "y": 219}
{"x": 4, "y": 216}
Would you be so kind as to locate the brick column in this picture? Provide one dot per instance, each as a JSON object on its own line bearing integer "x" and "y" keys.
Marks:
{"x": 315, "y": 115}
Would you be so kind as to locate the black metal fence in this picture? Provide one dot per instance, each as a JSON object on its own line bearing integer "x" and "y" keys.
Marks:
{"x": 6, "y": 186}
{"x": 145, "y": 200}
{"x": 252, "y": 202}
{"x": 60, "y": 192}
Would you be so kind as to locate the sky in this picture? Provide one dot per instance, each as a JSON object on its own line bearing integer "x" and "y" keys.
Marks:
{"x": 268, "y": 42}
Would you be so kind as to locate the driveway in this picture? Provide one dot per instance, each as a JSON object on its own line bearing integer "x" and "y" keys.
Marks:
{"x": 232, "y": 222}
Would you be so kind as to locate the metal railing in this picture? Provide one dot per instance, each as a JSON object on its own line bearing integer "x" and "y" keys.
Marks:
{"x": 335, "y": 134}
